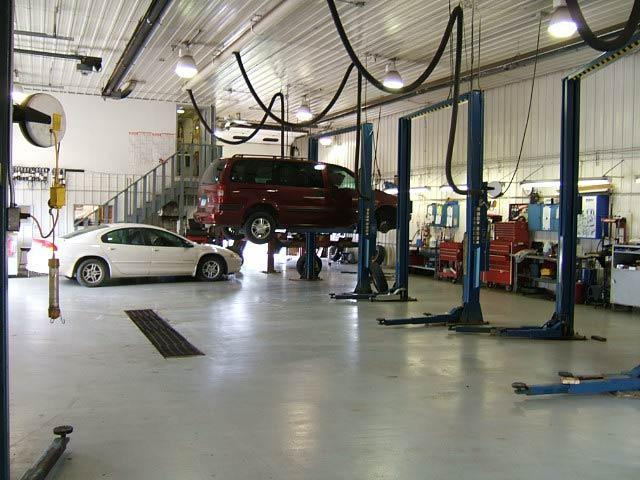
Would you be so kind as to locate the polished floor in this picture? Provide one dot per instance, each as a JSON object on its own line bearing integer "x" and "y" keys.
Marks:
{"x": 297, "y": 386}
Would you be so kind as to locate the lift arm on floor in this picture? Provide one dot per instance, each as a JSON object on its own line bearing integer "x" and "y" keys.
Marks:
{"x": 585, "y": 384}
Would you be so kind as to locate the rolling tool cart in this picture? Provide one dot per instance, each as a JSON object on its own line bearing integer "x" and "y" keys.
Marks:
{"x": 450, "y": 261}
{"x": 510, "y": 238}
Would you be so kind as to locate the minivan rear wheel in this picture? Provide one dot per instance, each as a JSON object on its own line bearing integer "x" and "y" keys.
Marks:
{"x": 260, "y": 227}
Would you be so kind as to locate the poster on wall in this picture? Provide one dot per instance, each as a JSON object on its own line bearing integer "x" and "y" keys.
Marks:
{"x": 148, "y": 149}
{"x": 588, "y": 219}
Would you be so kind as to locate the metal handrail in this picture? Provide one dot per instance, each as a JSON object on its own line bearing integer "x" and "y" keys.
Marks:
{"x": 142, "y": 180}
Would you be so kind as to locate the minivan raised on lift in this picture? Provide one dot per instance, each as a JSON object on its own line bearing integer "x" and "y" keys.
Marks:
{"x": 259, "y": 194}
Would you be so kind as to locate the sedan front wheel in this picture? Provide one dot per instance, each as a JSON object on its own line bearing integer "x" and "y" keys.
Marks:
{"x": 211, "y": 269}
{"x": 92, "y": 272}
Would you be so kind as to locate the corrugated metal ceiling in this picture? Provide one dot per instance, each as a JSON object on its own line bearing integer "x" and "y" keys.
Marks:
{"x": 300, "y": 55}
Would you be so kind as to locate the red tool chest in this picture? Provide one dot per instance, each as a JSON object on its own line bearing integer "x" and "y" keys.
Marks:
{"x": 509, "y": 238}
{"x": 450, "y": 261}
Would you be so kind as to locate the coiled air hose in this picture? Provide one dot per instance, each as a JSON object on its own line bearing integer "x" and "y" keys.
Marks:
{"x": 208, "y": 128}
{"x": 605, "y": 45}
{"x": 455, "y": 17}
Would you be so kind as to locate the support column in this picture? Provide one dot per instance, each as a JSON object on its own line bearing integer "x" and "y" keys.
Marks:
{"x": 569, "y": 204}
{"x": 6, "y": 80}
{"x": 476, "y": 214}
{"x": 366, "y": 207}
{"x": 310, "y": 238}
{"x": 404, "y": 207}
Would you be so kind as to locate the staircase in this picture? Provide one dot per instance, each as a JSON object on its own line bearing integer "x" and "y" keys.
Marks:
{"x": 165, "y": 196}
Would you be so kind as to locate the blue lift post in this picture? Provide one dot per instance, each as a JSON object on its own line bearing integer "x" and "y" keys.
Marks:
{"x": 470, "y": 312}
{"x": 367, "y": 233}
{"x": 310, "y": 238}
{"x": 570, "y": 383}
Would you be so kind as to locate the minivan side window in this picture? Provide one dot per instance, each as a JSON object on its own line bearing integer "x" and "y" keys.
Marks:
{"x": 341, "y": 178}
{"x": 213, "y": 172}
{"x": 298, "y": 174}
{"x": 253, "y": 172}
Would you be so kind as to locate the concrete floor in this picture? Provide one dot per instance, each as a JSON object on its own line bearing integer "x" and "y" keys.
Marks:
{"x": 297, "y": 386}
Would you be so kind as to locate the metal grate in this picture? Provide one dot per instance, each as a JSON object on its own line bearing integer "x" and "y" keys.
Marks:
{"x": 162, "y": 335}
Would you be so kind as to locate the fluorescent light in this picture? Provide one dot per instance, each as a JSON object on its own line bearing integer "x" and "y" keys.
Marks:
{"x": 583, "y": 182}
{"x": 180, "y": 110}
{"x": 319, "y": 166}
{"x": 186, "y": 66}
{"x": 218, "y": 132}
{"x": 18, "y": 94}
{"x": 303, "y": 113}
{"x": 392, "y": 190}
{"x": 326, "y": 141}
{"x": 392, "y": 78}
{"x": 561, "y": 25}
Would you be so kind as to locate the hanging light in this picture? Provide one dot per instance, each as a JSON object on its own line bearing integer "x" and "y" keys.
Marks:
{"x": 303, "y": 113}
{"x": 17, "y": 93}
{"x": 561, "y": 25}
{"x": 392, "y": 78}
{"x": 186, "y": 66}
{"x": 325, "y": 140}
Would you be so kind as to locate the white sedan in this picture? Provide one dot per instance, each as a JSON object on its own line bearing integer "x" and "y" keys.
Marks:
{"x": 95, "y": 254}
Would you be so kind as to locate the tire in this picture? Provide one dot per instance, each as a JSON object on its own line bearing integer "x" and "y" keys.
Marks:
{"x": 381, "y": 255}
{"x": 92, "y": 272}
{"x": 301, "y": 266}
{"x": 378, "y": 278}
{"x": 231, "y": 233}
{"x": 211, "y": 268}
{"x": 386, "y": 220}
{"x": 260, "y": 227}
{"x": 335, "y": 254}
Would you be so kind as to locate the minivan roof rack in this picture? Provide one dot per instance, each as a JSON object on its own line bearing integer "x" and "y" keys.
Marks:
{"x": 269, "y": 157}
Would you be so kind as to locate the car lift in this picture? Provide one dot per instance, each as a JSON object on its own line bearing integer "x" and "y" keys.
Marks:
{"x": 366, "y": 224}
{"x": 570, "y": 383}
{"x": 470, "y": 312}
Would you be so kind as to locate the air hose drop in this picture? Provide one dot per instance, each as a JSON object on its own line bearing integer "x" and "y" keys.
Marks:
{"x": 56, "y": 201}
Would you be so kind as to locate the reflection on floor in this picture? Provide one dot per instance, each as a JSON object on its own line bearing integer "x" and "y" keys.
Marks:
{"x": 294, "y": 385}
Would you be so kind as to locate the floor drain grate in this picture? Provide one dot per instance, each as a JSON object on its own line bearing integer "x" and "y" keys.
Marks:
{"x": 162, "y": 335}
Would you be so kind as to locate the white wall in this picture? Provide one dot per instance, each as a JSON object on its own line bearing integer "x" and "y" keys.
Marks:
{"x": 99, "y": 139}
{"x": 98, "y": 134}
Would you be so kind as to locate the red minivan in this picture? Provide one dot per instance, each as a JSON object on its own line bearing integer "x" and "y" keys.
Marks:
{"x": 256, "y": 195}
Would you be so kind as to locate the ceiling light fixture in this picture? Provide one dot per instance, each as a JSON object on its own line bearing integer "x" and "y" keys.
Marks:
{"x": 325, "y": 140}
{"x": 561, "y": 25}
{"x": 637, "y": 179}
{"x": 186, "y": 66}
{"x": 303, "y": 113}
{"x": 392, "y": 78}
{"x": 180, "y": 110}
{"x": 582, "y": 183}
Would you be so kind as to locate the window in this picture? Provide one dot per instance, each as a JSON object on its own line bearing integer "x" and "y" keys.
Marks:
{"x": 213, "y": 172}
{"x": 298, "y": 174}
{"x": 82, "y": 231}
{"x": 256, "y": 172}
{"x": 160, "y": 238}
{"x": 341, "y": 178}
{"x": 125, "y": 236}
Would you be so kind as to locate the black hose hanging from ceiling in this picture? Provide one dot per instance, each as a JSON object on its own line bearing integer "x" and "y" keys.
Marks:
{"x": 282, "y": 121}
{"x": 358, "y": 139}
{"x": 605, "y": 45}
{"x": 208, "y": 128}
{"x": 455, "y": 17}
